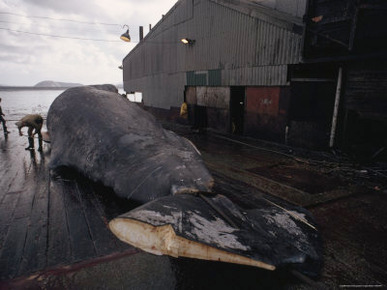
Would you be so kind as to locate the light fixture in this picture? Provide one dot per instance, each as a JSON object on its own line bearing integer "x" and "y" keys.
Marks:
{"x": 187, "y": 41}
{"x": 125, "y": 36}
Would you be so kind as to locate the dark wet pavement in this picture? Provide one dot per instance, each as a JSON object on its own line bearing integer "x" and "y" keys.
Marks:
{"x": 53, "y": 227}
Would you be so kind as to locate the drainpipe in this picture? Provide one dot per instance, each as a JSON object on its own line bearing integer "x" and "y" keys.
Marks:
{"x": 141, "y": 32}
{"x": 336, "y": 108}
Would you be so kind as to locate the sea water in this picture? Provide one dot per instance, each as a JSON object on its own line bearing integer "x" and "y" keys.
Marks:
{"x": 16, "y": 104}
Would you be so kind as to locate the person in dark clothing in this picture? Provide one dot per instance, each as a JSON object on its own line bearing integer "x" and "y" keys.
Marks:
{"x": 2, "y": 120}
{"x": 33, "y": 122}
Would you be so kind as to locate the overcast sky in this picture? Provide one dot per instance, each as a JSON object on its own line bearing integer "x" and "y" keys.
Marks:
{"x": 29, "y": 53}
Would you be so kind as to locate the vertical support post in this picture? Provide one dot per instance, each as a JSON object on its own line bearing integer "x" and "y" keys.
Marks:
{"x": 336, "y": 108}
{"x": 141, "y": 32}
{"x": 352, "y": 34}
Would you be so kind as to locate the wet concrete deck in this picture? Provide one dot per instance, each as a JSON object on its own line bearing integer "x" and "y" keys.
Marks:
{"x": 53, "y": 226}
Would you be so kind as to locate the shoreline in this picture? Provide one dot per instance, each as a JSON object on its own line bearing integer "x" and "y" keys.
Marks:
{"x": 15, "y": 88}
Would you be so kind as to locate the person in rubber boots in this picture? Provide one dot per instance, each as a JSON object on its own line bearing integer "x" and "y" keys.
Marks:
{"x": 33, "y": 122}
{"x": 2, "y": 120}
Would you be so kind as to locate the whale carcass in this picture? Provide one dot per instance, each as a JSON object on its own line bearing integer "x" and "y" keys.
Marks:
{"x": 109, "y": 139}
{"x": 114, "y": 141}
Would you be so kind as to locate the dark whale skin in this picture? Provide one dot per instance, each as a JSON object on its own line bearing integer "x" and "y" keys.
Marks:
{"x": 112, "y": 140}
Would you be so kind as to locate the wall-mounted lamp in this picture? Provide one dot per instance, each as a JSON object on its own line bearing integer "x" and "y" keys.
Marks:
{"x": 188, "y": 41}
{"x": 125, "y": 36}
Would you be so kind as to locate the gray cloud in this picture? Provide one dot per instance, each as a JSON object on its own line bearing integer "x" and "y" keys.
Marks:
{"x": 61, "y": 7}
{"x": 28, "y": 54}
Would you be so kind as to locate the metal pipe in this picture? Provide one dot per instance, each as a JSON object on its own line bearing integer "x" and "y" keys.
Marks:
{"x": 336, "y": 108}
{"x": 141, "y": 32}
{"x": 286, "y": 134}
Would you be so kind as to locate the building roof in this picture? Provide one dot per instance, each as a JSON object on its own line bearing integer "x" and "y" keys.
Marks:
{"x": 268, "y": 10}
{"x": 264, "y": 10}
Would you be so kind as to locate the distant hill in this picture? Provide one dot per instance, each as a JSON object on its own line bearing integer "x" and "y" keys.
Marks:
{"x": 52, "y": 84}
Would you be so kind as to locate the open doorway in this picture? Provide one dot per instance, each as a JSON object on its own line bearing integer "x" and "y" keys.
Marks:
{"x": 135, "y": 97}
{"x": 237, "y": 109}
{"x": 310, "y": 113}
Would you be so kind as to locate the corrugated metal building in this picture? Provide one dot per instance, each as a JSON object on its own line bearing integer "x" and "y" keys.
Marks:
{"x": 270, "y": 69}
{"x": 236, "y": 71}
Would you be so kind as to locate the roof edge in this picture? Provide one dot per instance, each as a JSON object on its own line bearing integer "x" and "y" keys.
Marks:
{"x": 259, "y": 11}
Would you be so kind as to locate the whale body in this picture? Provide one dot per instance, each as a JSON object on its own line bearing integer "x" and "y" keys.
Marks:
{"x": 114, "y": 141}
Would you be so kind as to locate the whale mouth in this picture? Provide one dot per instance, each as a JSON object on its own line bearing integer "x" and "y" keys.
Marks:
{"x": 164, "y": 240}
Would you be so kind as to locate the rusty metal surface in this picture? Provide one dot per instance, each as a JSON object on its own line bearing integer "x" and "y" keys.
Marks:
{"x": 213, "y": 97}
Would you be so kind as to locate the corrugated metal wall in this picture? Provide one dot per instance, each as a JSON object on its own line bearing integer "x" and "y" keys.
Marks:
{"x": 233, "y": 47}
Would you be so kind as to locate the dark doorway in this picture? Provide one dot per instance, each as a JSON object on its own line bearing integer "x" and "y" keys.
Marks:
{"x": 310, "y": 113}
{"x": 237, "y": 108}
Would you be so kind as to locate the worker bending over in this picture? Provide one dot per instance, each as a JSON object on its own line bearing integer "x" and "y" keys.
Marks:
{"x": 33, "y": 122}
